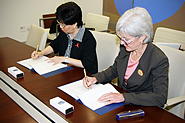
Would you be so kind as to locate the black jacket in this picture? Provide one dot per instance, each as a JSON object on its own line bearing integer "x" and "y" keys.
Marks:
{"x": 84, "y": 51}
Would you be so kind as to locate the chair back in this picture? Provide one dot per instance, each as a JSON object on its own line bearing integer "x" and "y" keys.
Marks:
{"x": 176, "y": 86}
{"x": 107, "y": 49}
{"x": 167, "y": 35}
{"x": 36, "y": 36}
{"x": 99, "y": 22}
{"x": 172, "y": 45}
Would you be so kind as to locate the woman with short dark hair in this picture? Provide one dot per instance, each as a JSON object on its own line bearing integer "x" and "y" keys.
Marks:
{"x": 75, "y": 44}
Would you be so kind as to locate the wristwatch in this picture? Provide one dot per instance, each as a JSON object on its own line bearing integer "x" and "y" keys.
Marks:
{"x": 66, "y": 59}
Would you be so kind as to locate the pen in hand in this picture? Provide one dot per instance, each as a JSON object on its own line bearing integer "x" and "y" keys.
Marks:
{"x": 86, "y": 79}
{"x": 36, "y": 51}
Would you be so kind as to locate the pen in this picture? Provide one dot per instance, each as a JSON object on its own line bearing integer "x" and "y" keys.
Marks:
{"x": 36, "y": 51}
{"x": 86, "y": 78}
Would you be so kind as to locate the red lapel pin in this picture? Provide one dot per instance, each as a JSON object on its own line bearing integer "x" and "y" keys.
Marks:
{"x": 77, "y": 45}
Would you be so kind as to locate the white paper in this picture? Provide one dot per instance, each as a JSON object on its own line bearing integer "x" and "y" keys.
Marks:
{"x": 88, "y": 97}
{"x": 29, "y": 62}
{"x": 76, "y": 88}
{"x": 40, "y": 65}
{"x": 44, "y": 67}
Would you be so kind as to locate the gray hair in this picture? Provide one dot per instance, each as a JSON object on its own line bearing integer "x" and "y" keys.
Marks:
{"x": 136, "y": 21}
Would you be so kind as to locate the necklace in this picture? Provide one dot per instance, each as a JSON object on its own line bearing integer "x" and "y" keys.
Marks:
{"x": 135, "y": 58}
{"x": 132, "y": 60}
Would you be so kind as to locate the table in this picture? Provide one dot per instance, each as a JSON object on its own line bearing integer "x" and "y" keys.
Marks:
{"x": 44, "y": 89}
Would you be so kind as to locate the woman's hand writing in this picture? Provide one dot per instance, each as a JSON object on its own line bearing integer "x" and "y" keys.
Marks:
{"x": 90, "y": 81}
{"x": 36, "y": 55}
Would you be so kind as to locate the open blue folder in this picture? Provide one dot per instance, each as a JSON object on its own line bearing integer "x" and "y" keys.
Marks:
{"x": 78, "y": 91}
{"x": 106, "y": 108}
{"x": 52, "y": 73}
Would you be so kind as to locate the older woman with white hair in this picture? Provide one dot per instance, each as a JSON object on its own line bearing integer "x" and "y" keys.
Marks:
{"x": 142, "y": 68}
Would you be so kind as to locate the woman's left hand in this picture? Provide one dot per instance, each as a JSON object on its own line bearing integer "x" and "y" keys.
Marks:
{"x": 111, "y": 97}
{"x": 56, "y": 59}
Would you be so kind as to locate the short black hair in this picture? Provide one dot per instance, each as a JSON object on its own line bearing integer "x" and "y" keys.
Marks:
{"x": 69, "y": 13}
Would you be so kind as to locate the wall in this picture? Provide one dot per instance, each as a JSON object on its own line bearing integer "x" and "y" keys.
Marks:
{"x": 89, "y": 6}
{"x": 15, "y": 13}
{"x": 164, "y": 13}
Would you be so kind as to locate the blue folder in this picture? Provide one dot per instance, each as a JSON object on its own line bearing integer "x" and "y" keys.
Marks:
{"x": 106, "y": 108}
{"x": 52, "y": 73}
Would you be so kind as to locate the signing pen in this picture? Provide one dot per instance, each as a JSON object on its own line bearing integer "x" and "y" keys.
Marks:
{"x": 36, "y": 51}
{"x": 86, "y": 79}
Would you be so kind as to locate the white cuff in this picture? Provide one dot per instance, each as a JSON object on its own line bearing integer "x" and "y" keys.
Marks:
{"x": 66, "y": 59}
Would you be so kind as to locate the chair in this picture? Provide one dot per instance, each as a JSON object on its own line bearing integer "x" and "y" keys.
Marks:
{"x": 47, "y": 21}
{"x": 172, "y": 45}
{"x": 98, "y": 22}
{"x": 107, "y": 49}
{"x": 51, "y": 36}
{"x": 166, "y": 35}
{"x": 176, "y": 92}
{"x": 37, "y": 35}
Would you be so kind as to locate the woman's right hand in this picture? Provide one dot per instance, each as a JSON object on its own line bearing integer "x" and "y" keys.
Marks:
{"x": 35, "y": 55}
{"x": 90, "y": 81}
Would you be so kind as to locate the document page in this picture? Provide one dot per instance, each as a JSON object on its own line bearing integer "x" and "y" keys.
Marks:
{"x": 29, "y": 62}
{"x": 90, "y": 97}
{"x": 44, "y": 67}
{"x": 40, "y": 65}
{"x": 76, "y": 88}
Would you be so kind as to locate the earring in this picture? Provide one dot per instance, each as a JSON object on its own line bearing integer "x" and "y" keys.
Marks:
{"x": 74, "y": 26}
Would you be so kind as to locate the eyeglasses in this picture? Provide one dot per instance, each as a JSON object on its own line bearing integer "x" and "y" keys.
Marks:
{"x": 129, "y": 41}
{"x": 61, "y": 24}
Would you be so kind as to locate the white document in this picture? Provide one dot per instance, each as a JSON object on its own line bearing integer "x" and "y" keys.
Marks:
{"x": 76, "y": 88}
{"x": 88, "y": 97}
{"x": 40, "y": 65}
{"x": 29, "y": 62}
